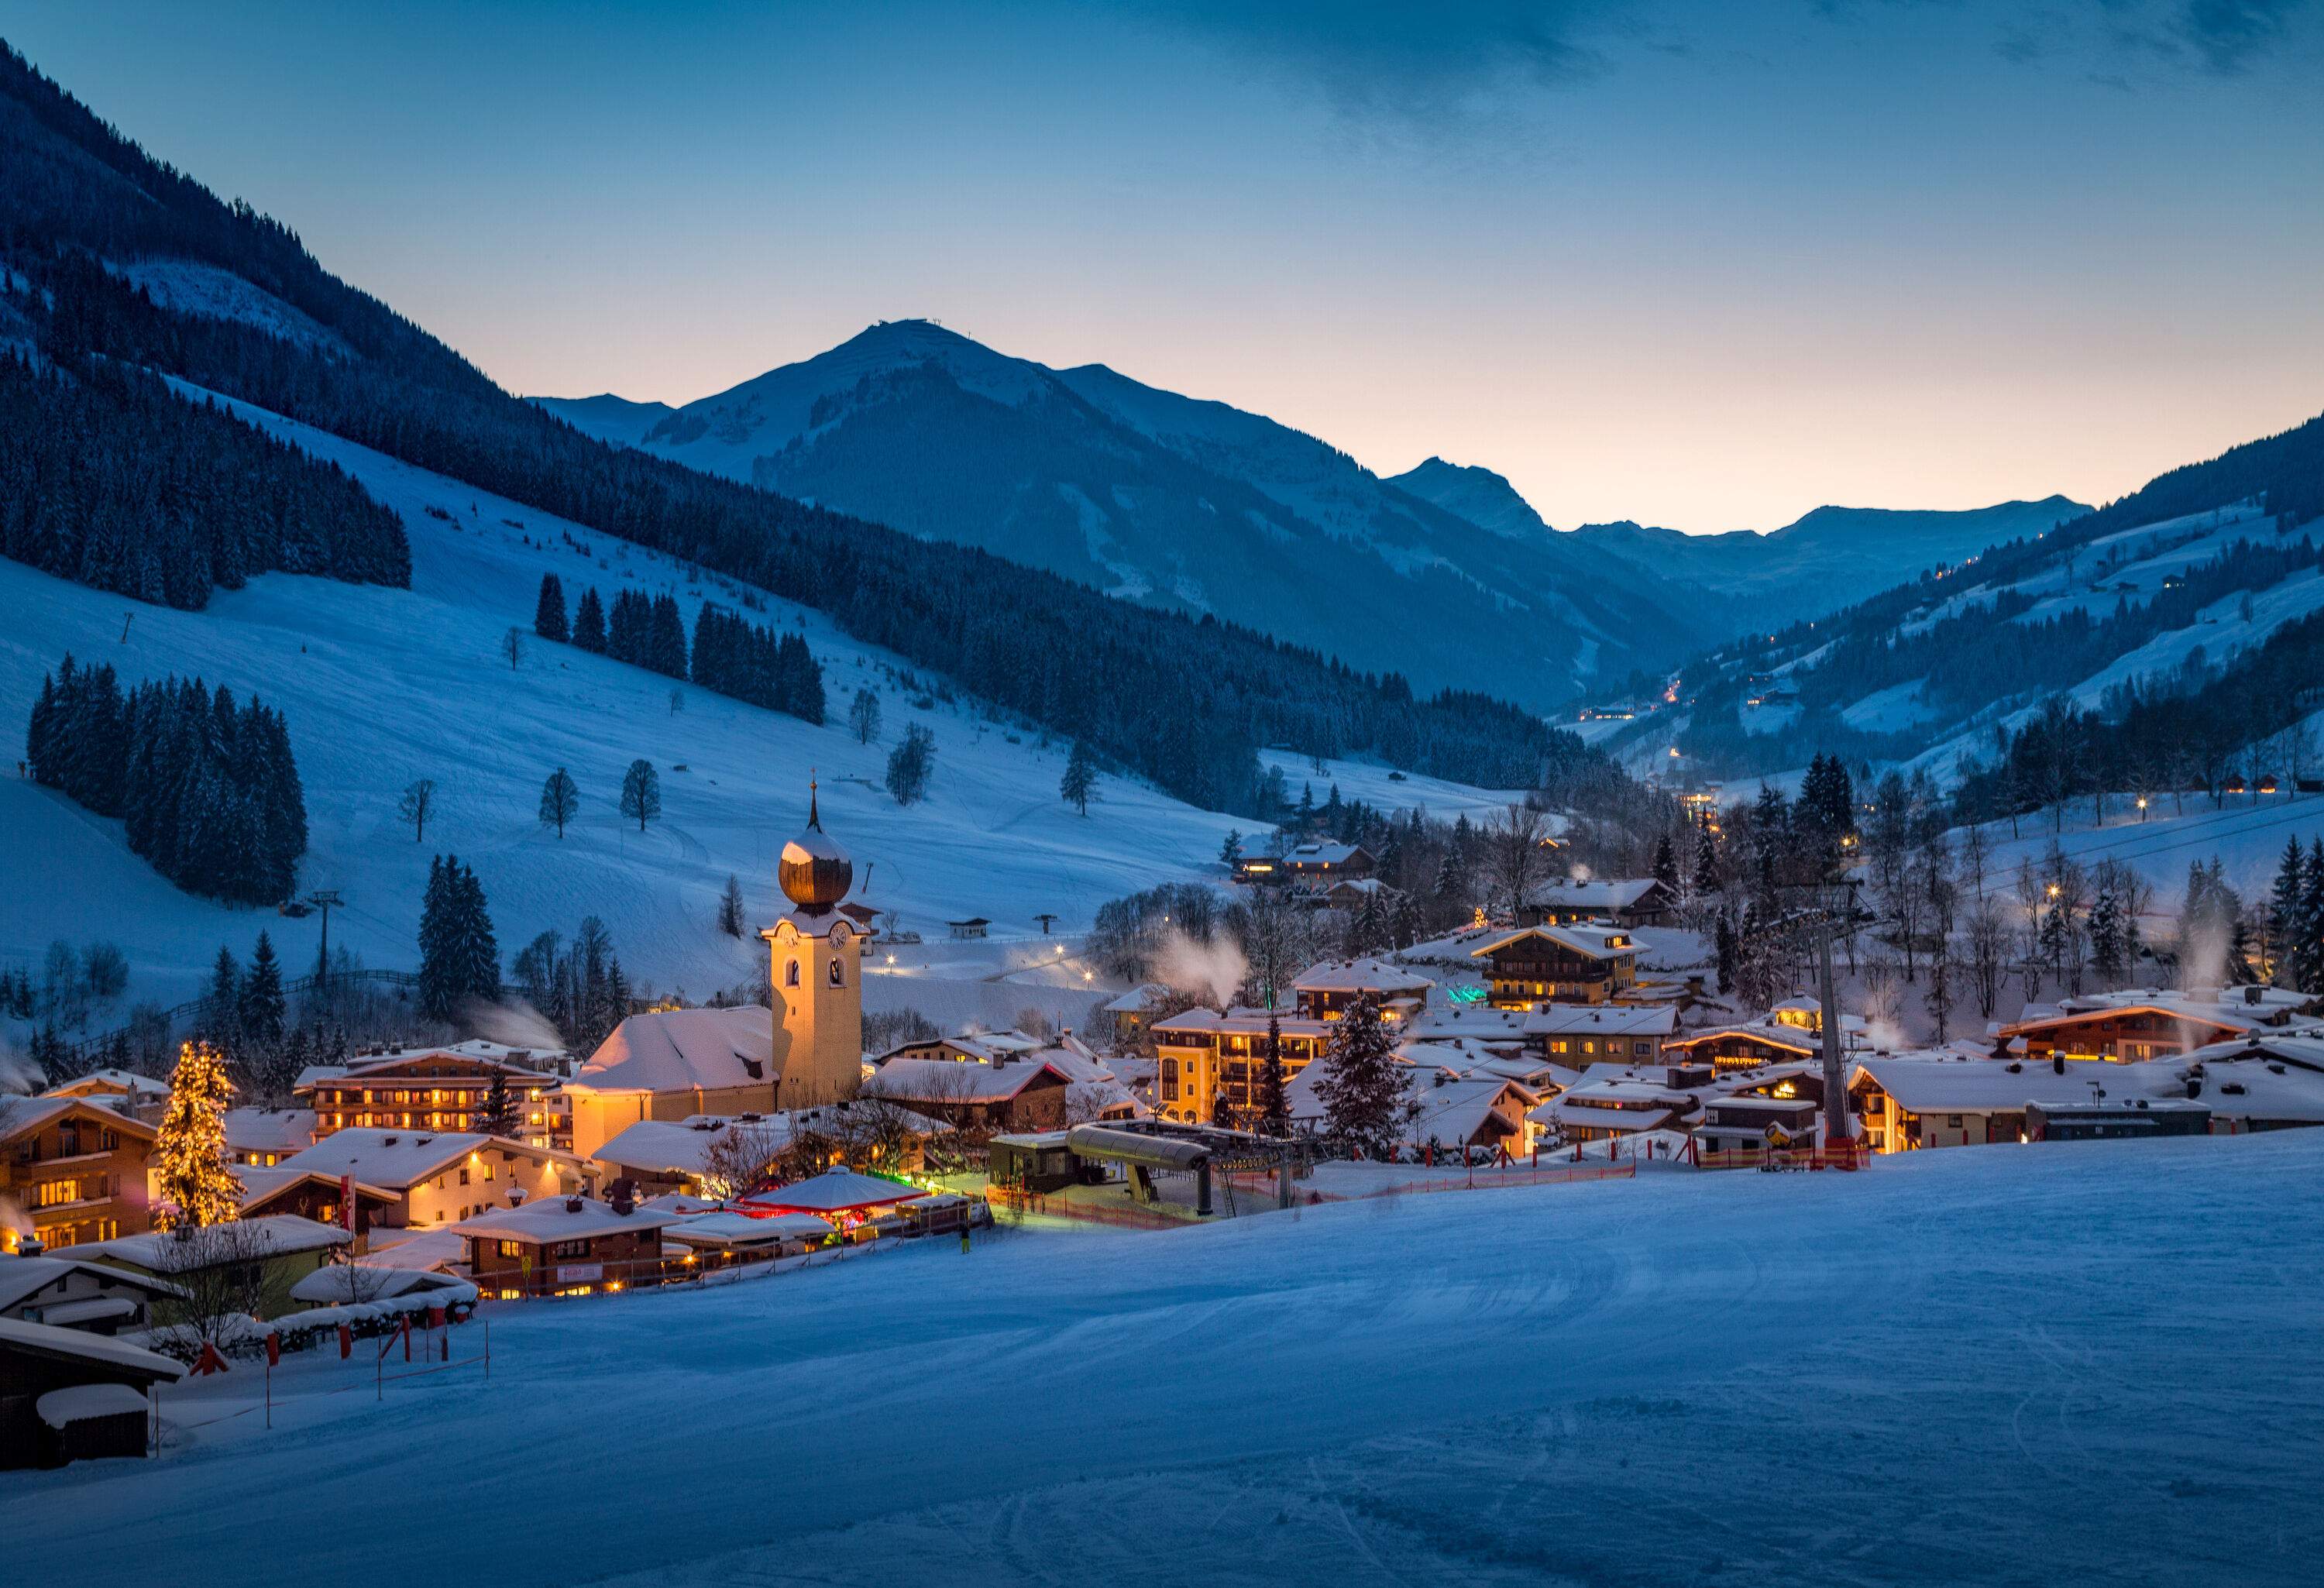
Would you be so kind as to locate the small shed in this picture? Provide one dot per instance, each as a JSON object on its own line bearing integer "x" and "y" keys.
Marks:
{"x": 68, "y": 1395}
{"x": 976, "y": 926}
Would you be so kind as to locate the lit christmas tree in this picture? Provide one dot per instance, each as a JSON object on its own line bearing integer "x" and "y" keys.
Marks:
{"x": 196, "y": 1187}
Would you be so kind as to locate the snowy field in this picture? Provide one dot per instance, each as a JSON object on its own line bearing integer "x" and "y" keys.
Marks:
{"x": 2087, "y": 1364}
{"x": 382, "y": 686}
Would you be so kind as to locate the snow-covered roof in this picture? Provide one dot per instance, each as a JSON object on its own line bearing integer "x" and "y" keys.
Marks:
{"x": 110, "y": 1082}
{"x": 1242, "y": 1022}
{"x": 158, "y": 1252}
{"x": 437, "y": 1248}
{"x": 681, "y": 1050}
{"x": 682, "y": 1146}
{"x": 516, "y": 1063}
{"x": 22, "y": 1278}
{"x": 262, "y": 1185}
{"x": 1456, "y": 1112}
{"x": 949, "y": 1080}
{"x": 1584, "y": 937}
{"x": 1372, "y": 975}
{"x": 835, "y": 1190}
{"x": 1138, "y": 1000}
{"x": 269, "y": 1130}
{"x": 21, "y": 1115}
{"x": 342, "y": 1284}
{"x": 1322, "y": 853}
{"x": 1596, "y": 893}
{"x": 401, "y": 1159}
{"x": 729, "y": 1228}
{"x": 1970, "y": 1085}
{"x": 1601, "y": 1020}
{"x": 2170, "y": 1005}
{"x": 550, "y": 1219}
{"x": 79, "y": 1403}
{"x": 1478, "y": 1021}
{"x": 50, "y": 1341}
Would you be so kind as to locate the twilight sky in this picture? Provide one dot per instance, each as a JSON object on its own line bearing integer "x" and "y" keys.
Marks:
{"x": 1699, "y": 263}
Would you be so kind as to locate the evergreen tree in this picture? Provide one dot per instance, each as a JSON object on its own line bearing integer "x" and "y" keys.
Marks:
{"x": 730, "y": 907}
{"x": 2109, "y": 948}
{"x": 460, "y": 956}
{"x": 548, "y": 613}
{"x": 561, "y": 800}
{"x": 1725, "y": 952}
{"x": 1706, "y": 863}
{"x": 498, "y": 1114}
{"x": 1665, "y": 867}
{"x": 2287, "y": 912}
{"x": 261, "y": 1006}
{"x": 2308, "y": 955}
{"x": 1230, "y": 849}
{"x": 192, "y": 1183}
{"x": 222, "y": 1005}
{"x": 1078, "y": 787}
{"x": 589, "y": 623}
{"x": 641, "y": 792}
{"x": 1270, "y": 1100}
{"x": 1362, "y": 1086}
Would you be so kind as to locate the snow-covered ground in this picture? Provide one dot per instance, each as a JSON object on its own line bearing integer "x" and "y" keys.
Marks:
{"x": 2245, "y": 833}
{"x": 2087, "y": 1363}
{"x": 383, "y": 686}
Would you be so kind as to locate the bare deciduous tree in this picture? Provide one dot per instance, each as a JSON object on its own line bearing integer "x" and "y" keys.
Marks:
{"x": 417, "y": 805}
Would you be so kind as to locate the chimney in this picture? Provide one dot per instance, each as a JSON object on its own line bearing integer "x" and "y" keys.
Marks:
{"x": 2254, "y": 994}
{"x": 2058, "y": 1060}
{"x": 623, "y": 1196}
{"x": 573, "y": 1203}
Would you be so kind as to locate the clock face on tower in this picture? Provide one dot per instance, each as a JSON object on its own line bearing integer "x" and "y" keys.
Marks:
{"x": 839, "y": 935}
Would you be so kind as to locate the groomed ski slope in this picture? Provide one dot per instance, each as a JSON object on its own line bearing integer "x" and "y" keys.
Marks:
{"x": 2078, "y": 1365}
{"x": 383, "y": 686}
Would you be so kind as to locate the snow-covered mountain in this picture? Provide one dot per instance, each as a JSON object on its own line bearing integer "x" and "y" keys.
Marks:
{"x": 1829, "y": 558}
{"x": 382, "y": 686}
{"x": 2203, "y": 589}
{"x": 1168, "y": 500}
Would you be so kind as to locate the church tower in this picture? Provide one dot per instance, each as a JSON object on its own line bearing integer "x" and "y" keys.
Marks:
{"x": 816, "y": 964}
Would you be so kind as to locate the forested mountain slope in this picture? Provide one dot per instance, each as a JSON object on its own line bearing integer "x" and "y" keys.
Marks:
{"x": 86, "y": 218}
{"x": 2185, "y": 616}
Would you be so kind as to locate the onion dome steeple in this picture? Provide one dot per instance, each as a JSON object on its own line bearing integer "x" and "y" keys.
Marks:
{"x": 814, "y": 872}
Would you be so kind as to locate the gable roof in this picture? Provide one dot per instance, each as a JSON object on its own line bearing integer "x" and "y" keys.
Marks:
{"x": 683, "y": 1050}
{"x": 1602, "y": 1019}
{"x": 937, "y": 1081}
{"x": 1373, "y": 974}
{"x": 835, "y": 1190}
{"x": 21, "y": 1115}
{"x": 401, "y": 1159}
{"x": 109, "y": 1082}
{"x": 550, "y": 1219}
{"x": 80, "y": 1345}
{"x": 157, "y": 1252}
{"x": 682, "y": 1146}
{"x": 1597, "y": 893}
{"x": 25, "y": 1277}
{"x": 1594, "y": 941}
{"x": 269, "y": 1129}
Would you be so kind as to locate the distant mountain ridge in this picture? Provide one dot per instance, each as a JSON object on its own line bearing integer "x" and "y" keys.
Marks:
{"x": 1176, "y": 503}
{"x": 1826, "y": 559}
{"x": 1444, "y": 574}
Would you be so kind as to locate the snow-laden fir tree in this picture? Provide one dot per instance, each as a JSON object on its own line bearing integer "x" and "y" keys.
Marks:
{"x": 589, "y": 623}
{"x": 459, "y": 956}
{"x": 1665, "y": 867}
{"x": 193, "y": 1187}
{"x": 1362, "y": 1086}
{"x": 730, "y": 907}
{"x": 1269, "y": 1099}
{"x": 498, "y": 1116}
{"x": 222, "y": 1004}
{"x": 549, "y": 615}
{"x": 259, "y": 1006}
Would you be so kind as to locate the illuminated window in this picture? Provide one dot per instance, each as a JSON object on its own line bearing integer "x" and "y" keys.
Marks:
{"x": 56, "y": 1193}
{"x": 511, "y": 1249}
